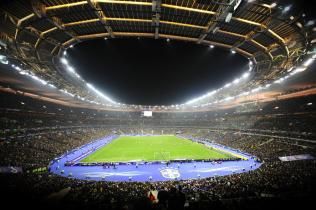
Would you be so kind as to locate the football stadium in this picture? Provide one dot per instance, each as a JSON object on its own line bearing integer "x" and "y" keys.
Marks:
{"x": 157, "y": 104}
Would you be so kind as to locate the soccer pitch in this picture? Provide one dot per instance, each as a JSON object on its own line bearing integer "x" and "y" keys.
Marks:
{"x": 153, "y": 148}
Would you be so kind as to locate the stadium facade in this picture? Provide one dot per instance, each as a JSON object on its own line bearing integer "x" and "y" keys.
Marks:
{"x": 49, "y": 112}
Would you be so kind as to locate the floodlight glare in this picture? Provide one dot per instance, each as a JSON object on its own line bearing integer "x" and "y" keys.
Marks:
{"x": 245, "y": 75}
{"x": 71, "y": 69}
{"x": 308, "y": 62}
{"x": 286, "y": 9}
{"x": 99, "y": 93}
{"x": 227, "y": 85}
{"x": 4, "y": 60}
{"x": 236, "y": 81}
{"x": 64, "y": 61}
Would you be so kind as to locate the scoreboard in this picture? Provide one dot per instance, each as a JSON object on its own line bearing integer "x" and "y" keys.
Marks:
{"x": 147, "y": 113}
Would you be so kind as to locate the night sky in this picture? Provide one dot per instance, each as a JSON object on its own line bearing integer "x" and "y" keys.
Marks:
{"x": 154, "y": 72}
{"x": 157, "y": 72}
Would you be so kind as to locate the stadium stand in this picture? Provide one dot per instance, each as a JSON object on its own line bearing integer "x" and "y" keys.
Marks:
{"x": 48, "y": 110}
{"x": 33, "y": 140}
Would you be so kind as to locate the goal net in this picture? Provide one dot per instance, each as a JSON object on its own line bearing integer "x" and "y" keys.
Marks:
{"x": 162, "y": 156}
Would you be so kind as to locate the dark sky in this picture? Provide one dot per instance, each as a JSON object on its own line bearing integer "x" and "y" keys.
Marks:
{"x": 157, "y": 72}
{"x": 154, "y": 72}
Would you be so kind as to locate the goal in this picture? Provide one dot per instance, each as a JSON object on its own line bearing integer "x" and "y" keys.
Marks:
{"x": 162, "y": 156}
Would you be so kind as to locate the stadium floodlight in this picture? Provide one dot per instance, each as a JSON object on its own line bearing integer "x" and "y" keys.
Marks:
{"x": 64, "y": 61}
{"x": 286, "y": 9}
{"x": 310, "y": 23}
{"x": 212, "y": 93}
{"x": 277, "y": 81}
{"x": 228, "y": 98}
{"x": 291, "y": 72}
{"x": 246, "y": 93}
{"x": 99, "y": 93}
{"x": 256, "y": 89}
{"x": 308, "y": 62}
{"x": 71, "y": 69}
{"x": 191, "y": 101}
{"x": 299, "y": 24}
{"x": 51, "y": 85}
{"x": 39, "y": 80}
{"x": 17, "y": 68}
{"x": 228, "y": 17}
{"x": 290, "y": 69}
{"x": 236, "y": 81}
{"x": 227, "y": 85}
{"x": 245, "y": 75}
{"x": 301, "y": 69}
{"x": 22, "y": 72}
{"x": 267, "y": 85}
{"x": 3, "y": 59}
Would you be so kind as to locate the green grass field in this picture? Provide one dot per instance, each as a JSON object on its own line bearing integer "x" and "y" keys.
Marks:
{"x": 151, "y": 148}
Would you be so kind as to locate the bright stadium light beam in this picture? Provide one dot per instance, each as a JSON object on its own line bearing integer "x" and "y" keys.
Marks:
{"x": 100, "y": 93}
{"x": 292, "y": 71}
{"x": 245, "y": 75}
{"x": 308, "y": 62}
{"x": 64, "y": 61}
{"x": 4, "y": 60}
{"x": 236, "y": 81}
{"x": 227, "y": 85}
{"x": 71, "y": 69}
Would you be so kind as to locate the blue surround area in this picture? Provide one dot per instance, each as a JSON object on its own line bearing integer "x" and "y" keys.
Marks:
{"x": 67, "y": 166}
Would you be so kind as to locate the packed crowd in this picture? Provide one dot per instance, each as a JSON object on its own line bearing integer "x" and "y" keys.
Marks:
{"x": 31, "y": 144}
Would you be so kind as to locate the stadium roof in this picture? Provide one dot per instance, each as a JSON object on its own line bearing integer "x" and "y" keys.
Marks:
{"x": 38, "y": 33}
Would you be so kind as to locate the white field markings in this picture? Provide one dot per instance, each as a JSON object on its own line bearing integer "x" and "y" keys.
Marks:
{"x": 226, "y": 151}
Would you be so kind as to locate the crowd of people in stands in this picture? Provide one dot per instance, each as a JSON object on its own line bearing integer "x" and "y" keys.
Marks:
{"x": 32, "y": 141}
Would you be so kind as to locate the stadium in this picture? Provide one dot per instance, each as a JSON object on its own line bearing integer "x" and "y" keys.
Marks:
{"x": 157, "y": 104}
